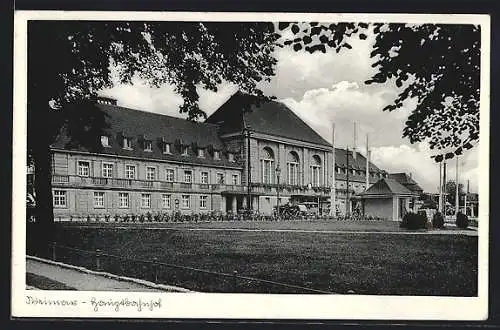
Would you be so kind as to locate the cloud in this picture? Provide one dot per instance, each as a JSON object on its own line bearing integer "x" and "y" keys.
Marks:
{"x": 297, "y": 72}
{"x": 344, "y": 103}
{"x": 416, "y": 160}
{"x": 164, "y": 99}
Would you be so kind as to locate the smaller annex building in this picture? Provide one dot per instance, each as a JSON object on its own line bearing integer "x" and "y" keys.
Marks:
{"x": 389, "y": 199}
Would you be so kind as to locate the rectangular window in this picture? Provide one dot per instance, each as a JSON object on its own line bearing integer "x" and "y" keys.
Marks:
{"x": 166, "y": 148}
{"x": 292, "y": 173}
{"x": 98, "y": 199}
{"x": 123, "y": 200}
{"x": 220, "y": 178}
{"x": 146, "y": 201}
{"x": 130, "y": 172}
{"x": 148, "y": 146}
{"x": 150, "y": 173}
{"x": 235, "y": 179}
{"x": 204, "y": 177}
{"x": 201, "y": 153}
{"x": 203, "y": 202}
{"x": 165, "y": 201}
{"x": 184, "y": 151}
{"x": 188, "y": 176}
{"x": 59, "y": 197}
{"x": 216, "y": 155}
{"x": 83, "y": 168}
{"x": 104, "y": 141}
{"x": 267, "y": 166}
{"x": 230, "y": 157}
{"x": 107, "y": 170}
{"x": 186, "y": 202}
{"x": 169, "y": 175}
{"x": 127, "y": 143}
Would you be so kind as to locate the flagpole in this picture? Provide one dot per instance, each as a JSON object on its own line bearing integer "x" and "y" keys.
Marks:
{"x": 457, "y": 202}
{"x": 347, "y": 202}
{"x": 333, "y": 203}
{"x": 367, "y": 173}
{"x": 440, "y": 201}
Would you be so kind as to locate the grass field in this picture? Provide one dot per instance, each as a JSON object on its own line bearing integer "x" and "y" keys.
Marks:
{"x": 374, "y": 226}
{"x": 374, "y": 263}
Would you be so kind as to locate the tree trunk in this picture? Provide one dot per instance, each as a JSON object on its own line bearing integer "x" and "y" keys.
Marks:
{"x": 40, "y": 234}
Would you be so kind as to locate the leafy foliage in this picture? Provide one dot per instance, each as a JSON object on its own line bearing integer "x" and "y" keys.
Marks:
{"x": 450, "y": 189}
{"x": 462, "y": 221}
{"x": 438, "y": 220}
{"x": 414, "y": 221}
{"x": 438, "y": 65}
{"x": 78, "y": 55}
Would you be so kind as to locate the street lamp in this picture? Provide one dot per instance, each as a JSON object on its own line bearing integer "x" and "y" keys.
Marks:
{"x": 278, "y": 172}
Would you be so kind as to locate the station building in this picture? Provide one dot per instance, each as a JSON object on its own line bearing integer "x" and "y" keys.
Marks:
{"x": 247, "y": 154}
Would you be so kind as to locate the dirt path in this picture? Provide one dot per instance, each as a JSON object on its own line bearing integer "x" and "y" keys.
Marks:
{"x": 85, "y": 280}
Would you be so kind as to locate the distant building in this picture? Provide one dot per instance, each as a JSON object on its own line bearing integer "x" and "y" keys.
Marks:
{"x": 389, "y": 199}
{"x": 148, "y": 162}
{"x": 407, "y": 181}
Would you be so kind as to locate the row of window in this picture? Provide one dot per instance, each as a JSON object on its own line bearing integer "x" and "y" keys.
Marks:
{"x": 151, "y": 173}
{"x": 342, "y": 170}
{"x": 61, "y": 200}
{"x": 147, "y": 145}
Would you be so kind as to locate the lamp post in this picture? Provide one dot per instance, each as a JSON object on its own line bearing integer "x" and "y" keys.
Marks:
{"x": 249, "y": 172}
{"x": 278, "y": 171}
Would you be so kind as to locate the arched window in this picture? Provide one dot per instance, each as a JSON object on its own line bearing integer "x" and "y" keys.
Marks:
{"x": 293, "y": 168}
{"x": 315, "y": 170}
{"x": 267, "y": 163}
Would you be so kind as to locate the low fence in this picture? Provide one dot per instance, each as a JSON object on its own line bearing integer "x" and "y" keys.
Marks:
{"x": 171, "y": 274}
{"x": 205, "y": 217}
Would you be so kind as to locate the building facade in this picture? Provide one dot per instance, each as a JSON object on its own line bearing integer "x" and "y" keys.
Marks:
{"x": 246, "y": 155}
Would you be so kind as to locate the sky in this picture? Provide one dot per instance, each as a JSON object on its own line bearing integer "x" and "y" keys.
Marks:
{"x": 323, "y": 89}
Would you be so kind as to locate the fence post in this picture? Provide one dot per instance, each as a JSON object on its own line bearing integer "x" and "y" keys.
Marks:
{"x": 155, "y": 269}
{"x": 97, "y": 259}
{"x": 54, "y": 251}
{"x": 235, "y": 279}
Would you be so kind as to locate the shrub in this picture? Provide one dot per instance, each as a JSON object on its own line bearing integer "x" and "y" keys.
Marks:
{"x": 414, "y": 221}
{"x": 438, "y": 220}
{"x": 462, "y": 221}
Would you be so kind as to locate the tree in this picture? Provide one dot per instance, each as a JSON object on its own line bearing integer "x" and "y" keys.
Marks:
{"x": 450, "y": 189}
{"x": 437, "y": 64}
{"x": 70, "y": 61}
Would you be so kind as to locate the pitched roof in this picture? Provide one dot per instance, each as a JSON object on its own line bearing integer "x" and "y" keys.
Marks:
{"x": 406, "y": 181}
{"x": 359, "y": 163}
{"x": 387, "y": 186}
{"x": 157, "y": 128}
{"x": 272, "y": 117}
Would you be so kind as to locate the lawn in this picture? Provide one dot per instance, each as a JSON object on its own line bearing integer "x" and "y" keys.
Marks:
{"x": 321, "y": 225}
{"x": 374, "y": 263}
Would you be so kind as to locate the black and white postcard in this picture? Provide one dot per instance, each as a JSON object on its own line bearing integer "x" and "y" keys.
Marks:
{"x": 249, "y": 166}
